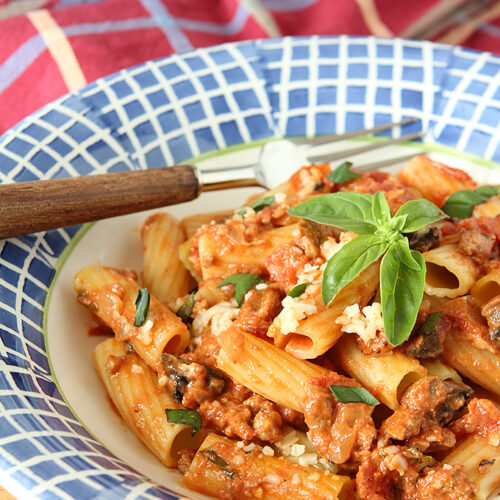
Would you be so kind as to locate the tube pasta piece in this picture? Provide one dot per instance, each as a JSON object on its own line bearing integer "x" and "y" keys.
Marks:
{"x": 434, "y": 180}
{"x": 111, "y": 295}
{"x": 192, "y": 223}
{"x": 184, "y": 253}
{"x": 163, "y": 272}
{"x": 490, "y": 208}
{"x": 220, "y": 257}
{"x": 438, "y": 368}
{"x": 482, "y": 461}
{"x": 264, "y": 368}
{"x": 317, "y": 333}
{"x": 449, "y": 272}
{"x": 386, "y": 376}
{"x": 222, "y": 469}
{"x": 480, "y": 365}
{"x": 487, "y": 287}
{"x": 133, "y": 388}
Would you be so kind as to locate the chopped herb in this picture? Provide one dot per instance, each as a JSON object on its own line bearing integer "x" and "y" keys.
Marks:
{"x": 343, "y": 173}
{"x": 261, "y": 203}
{"x": 186, "y": 417}
{"x": 461, "y": 203}
{"x": 129, "y": 348}
{"x": 243, "y": 282}
{"x": 298, "y": 290}
{"x": 184, "y": 312}
{"x": 241, "y": 212}
{"x": 485, "y": 461}
{"x": 430, "y": 323}
{"x": 217, "y": 460}
{"x": 402, "y": 271}
{"x": 345, "y": 394}
{"x": 141, "y": 306}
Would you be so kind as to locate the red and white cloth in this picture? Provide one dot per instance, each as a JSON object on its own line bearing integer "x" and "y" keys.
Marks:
{"x": 50, "y": 47}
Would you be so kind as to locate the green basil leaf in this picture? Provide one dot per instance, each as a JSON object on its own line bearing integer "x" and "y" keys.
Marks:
{"x": 381, "y": 212}
{"x": 404, "y": 254}
{"x": 430, "y": 323}
{"x": 419, "y": 213}
{"x": 217, "y": 460}
{"x": 241, "y": 212}
{"x": 297, "y": 290}
{"x": 243, "y": 283}
{"x": 345, "y": 394}
{"x": 186, "y": 417}
{"x": 461, "y": 203}
{"x": 184, "y": 312}
{"x": 401, "y": 290}
{"x": 349, "y": 261}
{"x": 352, "y": 211}
{"x": 129, "y": 348}
{"x": 141, "y": 306}
{"x": 261, "y": 203}
{"x": 487, "y": 191}
{"x": 343, "y": 173}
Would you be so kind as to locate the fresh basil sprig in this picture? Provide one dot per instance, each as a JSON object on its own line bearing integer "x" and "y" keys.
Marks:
{"x": 261, "y": 203}
{"x": 297, "y": 290}
{"x": 243, "y": 283}
{"x": 461, "y": 203}
{"x": 185, "y": 311}
{"x": 186, "y": 417}
{"x": 402, "y": 271}
{"x": 141, "y": 306}
{"x": 345, "y": 394}
{"x": 343, "y": 173}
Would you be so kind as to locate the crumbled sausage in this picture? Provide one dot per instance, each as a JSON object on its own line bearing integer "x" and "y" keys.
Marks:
{"x": 426, "y": 407}
{"x": 258, "y": 311}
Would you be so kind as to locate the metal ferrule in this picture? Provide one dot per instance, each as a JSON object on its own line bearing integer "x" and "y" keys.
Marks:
{"x": 227, "y": 178}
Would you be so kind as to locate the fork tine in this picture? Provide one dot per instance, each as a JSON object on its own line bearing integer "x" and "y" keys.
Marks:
{"x": 323, "y": 139}
{"x": 342, "y": 155}
{"x": 385, "y": 163}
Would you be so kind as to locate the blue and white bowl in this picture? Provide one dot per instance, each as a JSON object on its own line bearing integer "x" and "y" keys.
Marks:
{"x": 59, "y": 438}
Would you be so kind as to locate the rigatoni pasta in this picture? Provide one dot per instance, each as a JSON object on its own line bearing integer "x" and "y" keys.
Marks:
{"x": 264, "y": 379}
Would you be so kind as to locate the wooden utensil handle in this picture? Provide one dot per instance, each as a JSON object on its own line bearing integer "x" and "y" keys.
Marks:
{"x": 27, "y": 207}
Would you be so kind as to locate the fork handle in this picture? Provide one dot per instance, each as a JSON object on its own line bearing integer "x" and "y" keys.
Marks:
{"x": 28, "y": 207}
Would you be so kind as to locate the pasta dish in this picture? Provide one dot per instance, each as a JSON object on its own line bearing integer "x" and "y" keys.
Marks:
{"x": 337, "y": 337}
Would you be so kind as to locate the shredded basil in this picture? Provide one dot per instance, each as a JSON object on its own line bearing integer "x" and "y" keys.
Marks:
{"x": 129, "y": 348}
{"x": 217, "y": 460}
{"x": 430, "y": 323}
{"x": 345, "y": 394}
{"x": 402, "y": 271}
{"x": 343, "y": 173}
{"x": 297, "y": 290}
{"x": 186, "y": 417}
{"x": 184, "y": 312}
{"x": 243, "y": 283}
{"x": 141, "y": 306}
{"x": 461, "y": 203}
{"x": 261, "y": 203}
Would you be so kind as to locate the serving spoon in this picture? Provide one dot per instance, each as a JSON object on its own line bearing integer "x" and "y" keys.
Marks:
{"x": 32, "y": 206}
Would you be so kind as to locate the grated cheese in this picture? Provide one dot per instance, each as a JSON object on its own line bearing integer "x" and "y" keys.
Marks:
{"x": 330, "y": 246}
{"x": 137, "y": 369}
{"x": 219, "y": 317}
{"x": 365, "y": 323}
{"x": 293, "y": 311}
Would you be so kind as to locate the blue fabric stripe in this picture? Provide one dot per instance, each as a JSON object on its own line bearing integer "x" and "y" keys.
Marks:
{"x": 235, "y": 25}
{"x": 286, "y": 5}
{"x": 19, "y": 60}
{"x": 167, "y": 23}
{"x": 124, "y": 25}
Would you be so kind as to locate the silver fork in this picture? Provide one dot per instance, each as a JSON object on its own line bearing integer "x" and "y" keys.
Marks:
{"x": 28, "y": 207}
